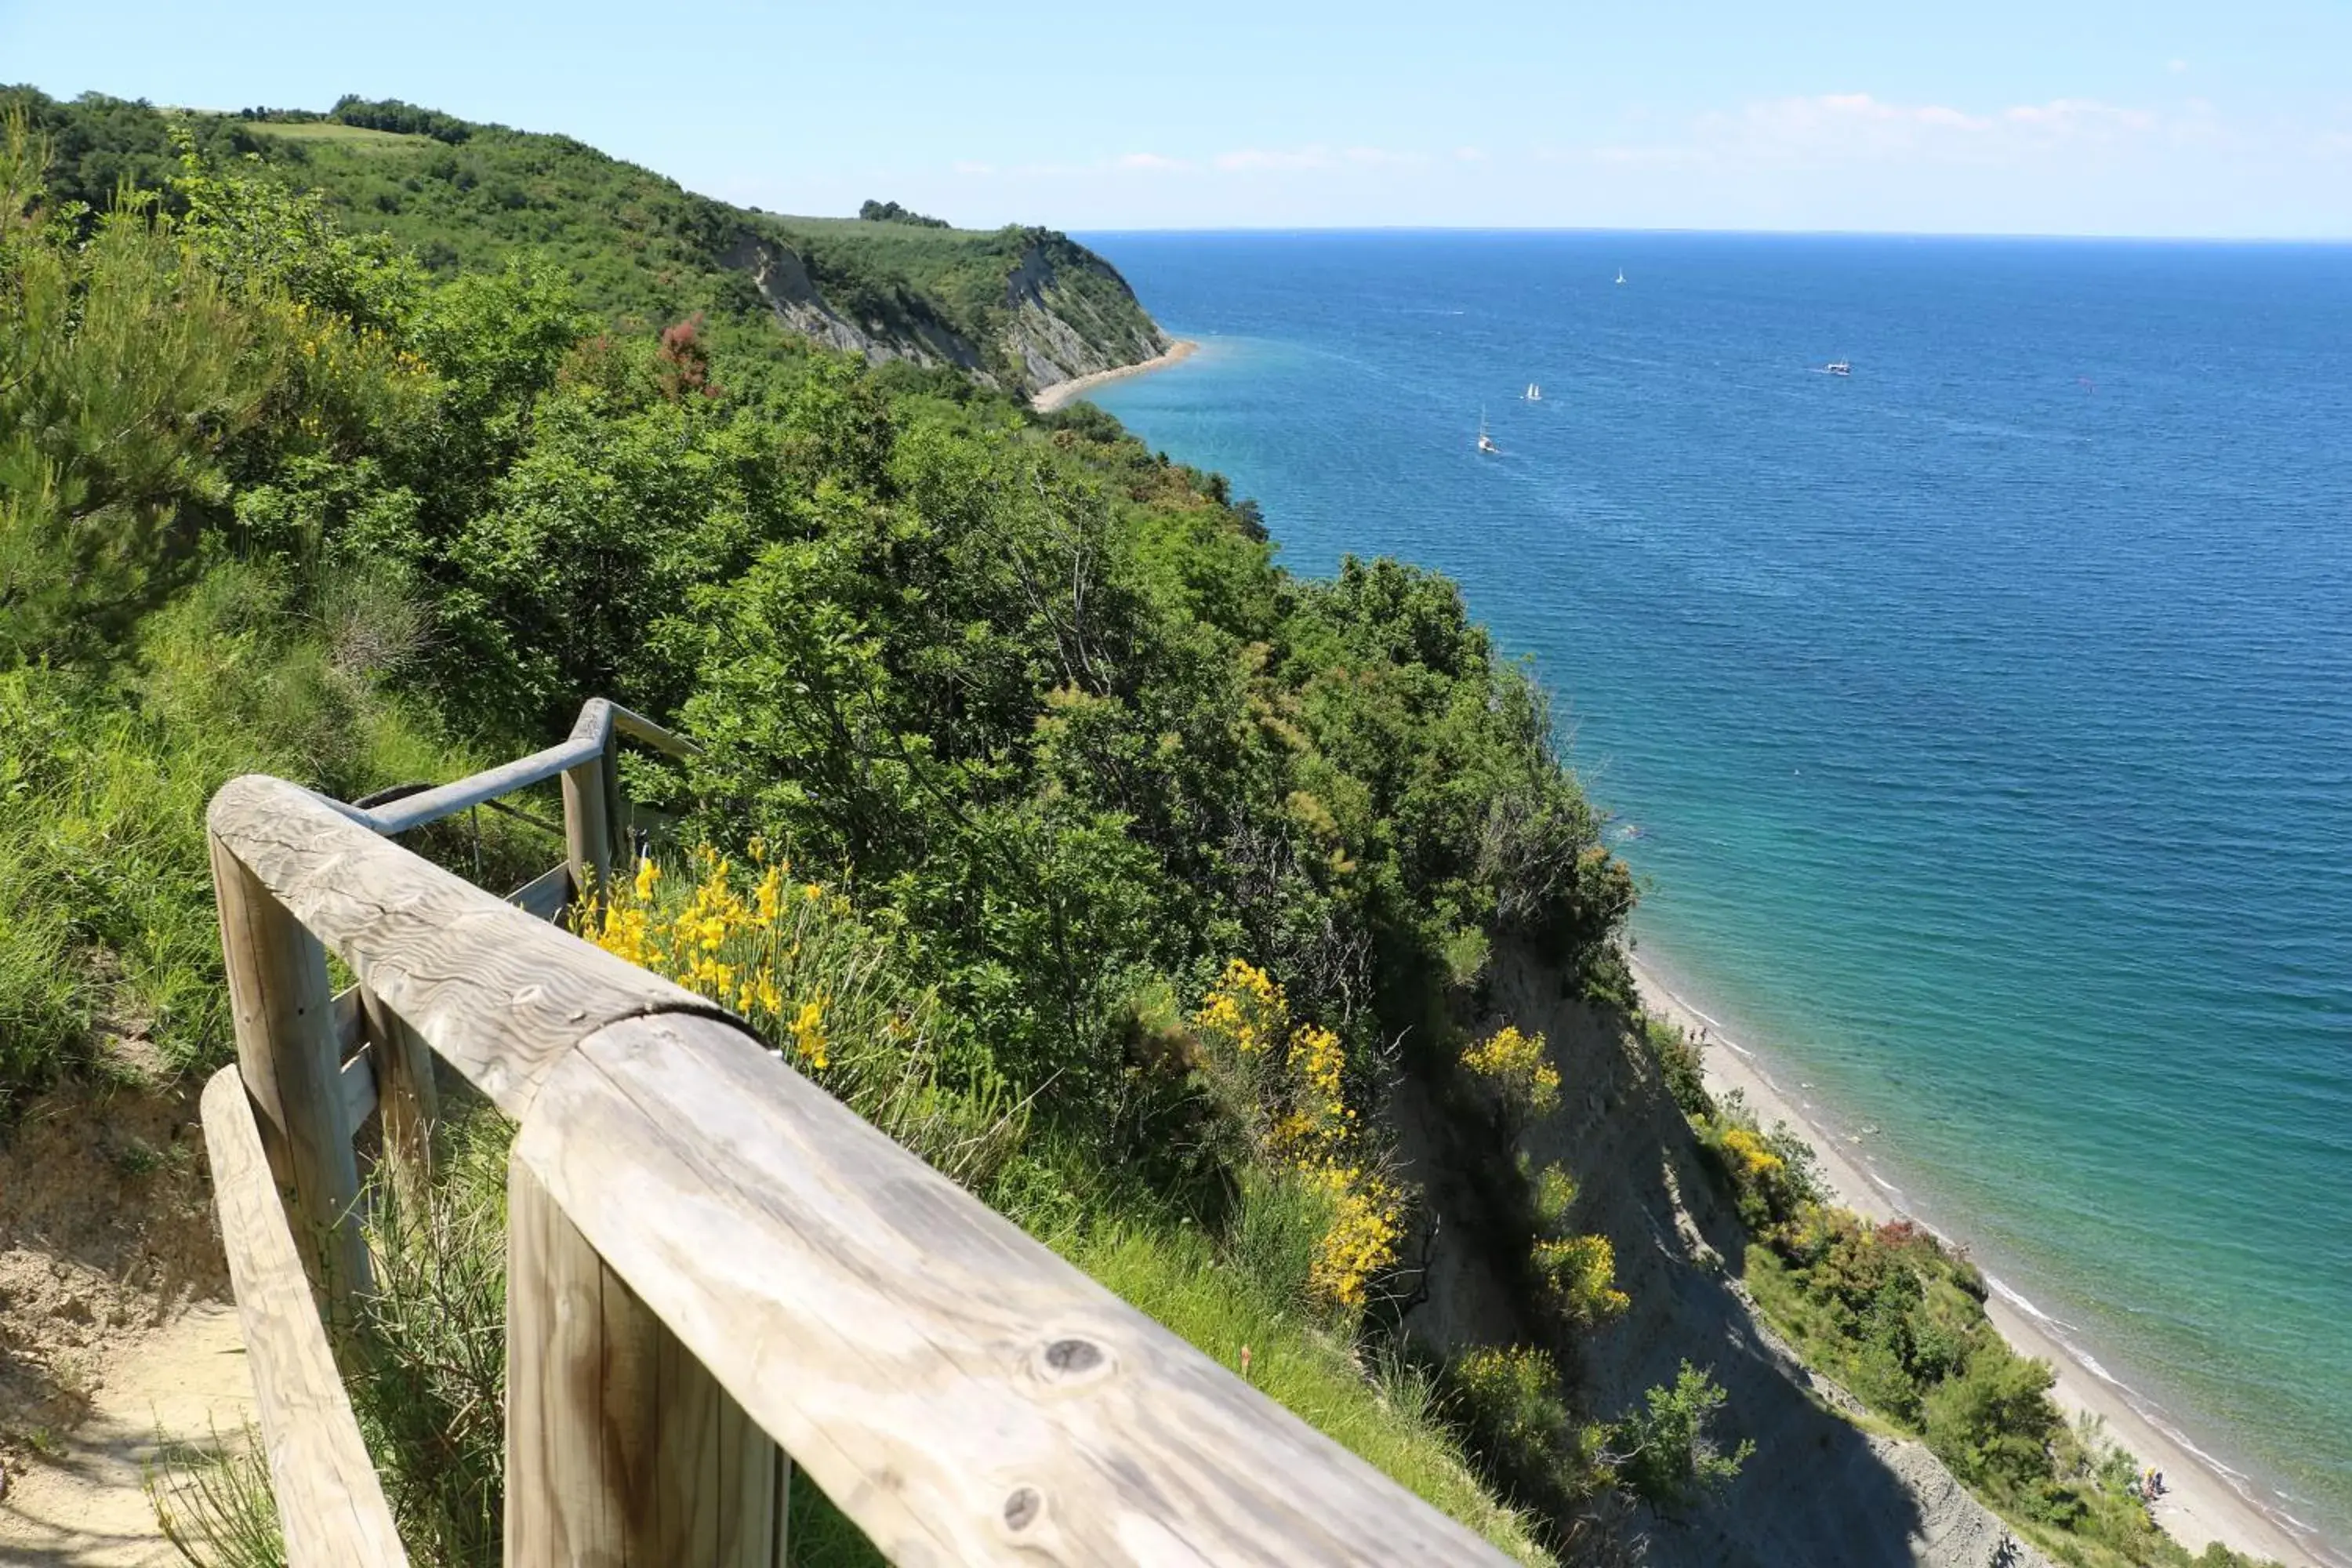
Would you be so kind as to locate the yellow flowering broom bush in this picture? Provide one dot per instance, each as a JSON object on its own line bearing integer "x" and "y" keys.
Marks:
{"x": 1288, "y": 1083}
{"x": 1514, "y": 1063}
{"x": 825, "y": 990}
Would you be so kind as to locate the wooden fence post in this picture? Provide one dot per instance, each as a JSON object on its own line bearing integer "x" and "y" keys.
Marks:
{"x": 407, "y": 1100}
{"x": 620, "y": 1449}
{"x": 588, "y": 825}
{"x": 617, "y": 808}
{"x": 288, "y": 1055}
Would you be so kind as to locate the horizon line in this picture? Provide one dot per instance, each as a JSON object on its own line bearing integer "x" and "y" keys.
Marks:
{"x": 2334, "y": 241}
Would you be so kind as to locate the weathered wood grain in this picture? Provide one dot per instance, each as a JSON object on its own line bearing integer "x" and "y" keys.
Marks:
{"x": 402, "y": 1070}
{"x": 329, "y": 1501}
{"x": 963, "y": 1394}
{"x": 620, "y": 1449}
{"x": 498, "y": 995}
{"x": 284, "y": 1016}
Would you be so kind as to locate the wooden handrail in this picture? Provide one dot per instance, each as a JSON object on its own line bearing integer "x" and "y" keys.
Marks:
{"x": 599, "y": 722}
{"x": 707, "y": 1253}
{"x": 497, "y": 994}
{"x": 329, "y": 1502}
{"x": 960, "y": 1391}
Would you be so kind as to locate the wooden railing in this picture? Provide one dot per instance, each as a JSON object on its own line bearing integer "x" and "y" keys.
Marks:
{"x": 712, "y": 1263}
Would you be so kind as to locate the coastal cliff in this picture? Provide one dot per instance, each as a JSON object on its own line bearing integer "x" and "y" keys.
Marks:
{"x": 1019, "y": 309}
{"x": 1823, "y": 1486}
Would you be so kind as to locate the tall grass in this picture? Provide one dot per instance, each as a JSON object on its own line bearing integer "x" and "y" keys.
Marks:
{"x": 107, "y": 926}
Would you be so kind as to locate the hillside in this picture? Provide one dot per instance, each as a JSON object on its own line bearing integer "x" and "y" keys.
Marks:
{"x": 1020, "y": 309}
{"x": 1243, "y": 936}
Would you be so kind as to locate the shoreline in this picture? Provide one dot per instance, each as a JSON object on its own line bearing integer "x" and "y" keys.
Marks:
{"x": 2203, "y": 1500}
{"x": 1062, "y": 392}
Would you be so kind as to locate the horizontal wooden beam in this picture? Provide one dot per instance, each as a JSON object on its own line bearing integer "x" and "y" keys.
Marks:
{"x": 498, "y": 995}
{"x": 962, "y": 1395}
{"x": 329, "y": 1503}
{"x": 599, "y": 721}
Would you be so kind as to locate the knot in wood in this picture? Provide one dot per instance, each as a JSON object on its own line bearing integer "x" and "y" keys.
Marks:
{"x": 1073, "y": 1357}
{"x": 1022, "y": 1509}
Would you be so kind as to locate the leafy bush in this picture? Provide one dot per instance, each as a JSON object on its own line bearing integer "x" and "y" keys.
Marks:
{"x": 1664, "y": 1451}
{"x": 826, "y": 991}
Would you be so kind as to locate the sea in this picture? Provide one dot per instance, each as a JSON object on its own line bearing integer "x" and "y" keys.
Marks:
{"x": 1978, "y": 722}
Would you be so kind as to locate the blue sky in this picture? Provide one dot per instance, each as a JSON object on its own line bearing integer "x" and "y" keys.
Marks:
{"x": 2053, "y": 118}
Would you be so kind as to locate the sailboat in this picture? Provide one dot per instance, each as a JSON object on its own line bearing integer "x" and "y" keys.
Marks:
{"x": 1534, "y": 393}
{"x": 1486, "y": 442}
{"x": 1621, "y": 275}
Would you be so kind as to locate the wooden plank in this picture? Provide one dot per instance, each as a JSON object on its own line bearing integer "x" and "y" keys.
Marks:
{"x": 620, "y": 1449}
{"x": 545, "y": 894}
{"x": 405, "y": 1093}
{"x": 499, "y": 995}
{"x": 591, "y": 736}
{"x": 329, "y": 1503}
{"x": 356, "y": 1083}
{"x": 433, "y": 804}
{"x": 645, "y": 732}
{"x": 283, "y": 1015}
{"x": 351, "y": 1024}
{"x": 964, "y": 1395}
{"x": 588, "y": 828}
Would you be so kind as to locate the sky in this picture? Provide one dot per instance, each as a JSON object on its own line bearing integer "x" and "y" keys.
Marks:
{"x": 2093, "y": 117}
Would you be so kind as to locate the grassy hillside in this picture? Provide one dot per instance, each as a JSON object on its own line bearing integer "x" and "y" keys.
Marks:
{"x": 638, "y": 247}
{"x": 1135, "y": 851}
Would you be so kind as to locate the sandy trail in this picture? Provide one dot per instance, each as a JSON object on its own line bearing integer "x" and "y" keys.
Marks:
{"x": 85, "y": 1504}
{"x": 2200, "y": 1505}
{"x": 1063, "y": 392}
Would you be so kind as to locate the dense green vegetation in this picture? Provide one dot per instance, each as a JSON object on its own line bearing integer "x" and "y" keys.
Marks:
{"x": 1061, "y": 743}
{"x": 637, "y": 249}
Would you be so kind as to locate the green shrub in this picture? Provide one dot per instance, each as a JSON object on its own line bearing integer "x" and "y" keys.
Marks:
{"x": 1665, "y": 1452}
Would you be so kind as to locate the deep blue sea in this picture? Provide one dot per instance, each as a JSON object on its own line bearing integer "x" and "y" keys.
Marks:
{"x": 1985, "y": 715}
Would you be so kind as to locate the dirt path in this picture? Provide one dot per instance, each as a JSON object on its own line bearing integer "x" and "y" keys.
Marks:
{"x": 112, "y": 1325}
{"x": 84, "y": 1503}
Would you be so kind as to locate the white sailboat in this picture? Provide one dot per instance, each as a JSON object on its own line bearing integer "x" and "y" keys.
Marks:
{"x": 1486, "y": 442}
{"x": 1621, "y": 275}
{"x": 1534, "y": 393}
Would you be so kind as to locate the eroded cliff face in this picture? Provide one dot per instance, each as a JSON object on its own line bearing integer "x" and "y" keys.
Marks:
{"x": 782, "y": 278}
{"x": 1821, "y": 1490}
{"x": 1065, "y": 313}
{"x": 1061, "y": 326}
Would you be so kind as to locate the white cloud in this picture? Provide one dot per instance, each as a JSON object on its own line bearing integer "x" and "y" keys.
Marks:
{"x": 1152, "y": 163}
{"x": 1314, "y": 157}
{"x": 2176, "y": 67}
{"x": 1860, "y": 126}
{"x": 966, "y": 166}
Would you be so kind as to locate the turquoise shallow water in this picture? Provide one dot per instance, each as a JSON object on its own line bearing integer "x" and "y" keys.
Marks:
{"x": 1985, "y": 717}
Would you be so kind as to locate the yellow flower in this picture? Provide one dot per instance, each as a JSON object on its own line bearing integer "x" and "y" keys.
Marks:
{"x": 1516, "y": 1063}
{"x": 808, "y": 1031}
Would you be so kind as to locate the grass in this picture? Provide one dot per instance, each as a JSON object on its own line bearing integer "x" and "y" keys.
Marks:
{"x": 1387, "y": 1414}
{"x": 107, "y": 927}
{"x": 359, "y": 138}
